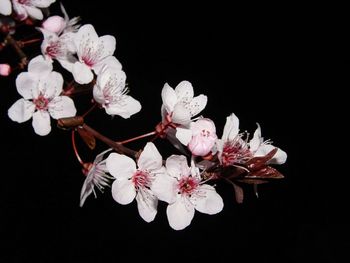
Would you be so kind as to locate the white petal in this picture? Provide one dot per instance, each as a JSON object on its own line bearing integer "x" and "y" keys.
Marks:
{"x": 123, "y": 191}
{"x": 21, "y": 111}
{"x": 110, "y": 61}
{"x": 82, "y": 73}
{"x": 180, "y": 214}
{"x": 34, "y": 12}
{"x": 169, "y": 98}
{"x": 41, "y": 123}
{"x": 42, "y": 3}
{"x": 177, "y": 166}
{"x": 19, "y": 10}
{"x": 51, "y": 85}
{"x": 120, "y": 166}
{"x": 108, "y": 42}
{"x": 231, "y": 128}
{"x": 67, "y": 64}
{"x": 86, "y": 40}
{"x": 27, "y": 85}
{"x": 150, "y": 158}
{"x": 208, "y": 201}
{"x": 280, "y": 156}
{"x": 5, "y": 7}
{"x": 255, "y": 142}
{"x": 62, "y": 107}
{"x": 111, "y": 75}
{"x": 39, "y": 66}
{"x": 125, "y": 107}
{"x": 184, "y": 91}
{"x": 181, "y": 115}
{"x": 183, "y": 135}
{"x": 164, "y": 187}
{"x": 197, "y": 104}
{"x": 147, "y": 206}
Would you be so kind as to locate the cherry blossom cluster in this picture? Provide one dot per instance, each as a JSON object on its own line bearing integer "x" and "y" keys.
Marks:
{"x": 186, "y": 180}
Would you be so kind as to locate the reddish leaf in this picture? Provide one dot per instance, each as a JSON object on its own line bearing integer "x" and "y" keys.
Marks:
{"x": 266, "y": 172}
{"x": 238, "y": 193}
{"x": 87, "y": 137}
{"x": 257, "y": 163}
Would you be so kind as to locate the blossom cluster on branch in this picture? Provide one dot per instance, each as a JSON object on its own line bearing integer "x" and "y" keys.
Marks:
{"x": 186, "y": 180}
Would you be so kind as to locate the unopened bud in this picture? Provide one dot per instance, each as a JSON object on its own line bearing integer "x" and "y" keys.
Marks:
{"x": 54, "y": 24}
{"x": 5, "y": 70}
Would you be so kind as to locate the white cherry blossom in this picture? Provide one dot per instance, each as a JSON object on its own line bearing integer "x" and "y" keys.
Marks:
{"x": 31, "y": 8}
{"x": 5, "y": 7}
{"x": 40, "y": 88}
{"x": 184, "y": 190}
{"x": 136, "y": 182}
{"x": 110, "y": 91}
{"x": 93, "y": 53}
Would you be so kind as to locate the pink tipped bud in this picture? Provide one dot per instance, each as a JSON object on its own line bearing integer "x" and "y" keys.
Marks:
{"x": 203, "y": 137}
{"x": 54, "y": 24}
{"x": 5, "y": 70}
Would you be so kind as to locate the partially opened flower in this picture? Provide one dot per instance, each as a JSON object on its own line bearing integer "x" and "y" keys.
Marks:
{"x": 5, "y": 7}
{"x": 110, "y": 91}
{"x": 259, "y": 147}
{"x": 41, "y": 88}
{"x": 136, "y": 182}
{"x": 184, "y": 190}
{"x": 180, "y": 104}
{"x": 31, "y": 8}
{"x": 93, "y": 53}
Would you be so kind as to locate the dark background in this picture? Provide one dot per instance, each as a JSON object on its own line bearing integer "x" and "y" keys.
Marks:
{"x": 252, "y": 61}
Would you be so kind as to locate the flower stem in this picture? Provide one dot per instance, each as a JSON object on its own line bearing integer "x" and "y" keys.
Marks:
{"x": 28, "y": 42}
{"x": 24, "y": 61}
{"x": 138, "y": 137}
{"x": 89, "y": 110}
{"x": 75, "y": 149}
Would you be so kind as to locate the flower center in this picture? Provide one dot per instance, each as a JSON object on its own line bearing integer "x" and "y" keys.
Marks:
{"x": 235, "y": 151}
{"x": 141, "y": 179}
{"x": 187, "y": 185}
{"x": 53, "y": 49}
{"x": 24, "y": 2}
{"x": 41, "y": 103}
{"x": 205, "y": 133}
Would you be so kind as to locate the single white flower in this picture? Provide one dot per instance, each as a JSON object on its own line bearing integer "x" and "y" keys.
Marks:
{"x": 134, "y": 182}
{"x": 110, "y": 91}
{"x": 25, "y": 8}
{"x": 5, "y": 7}
{"x": 93, "y": 52}
{"x": 259, "y": 147}
{"x": 96, "y": 176}
{"x": 180, "y": 104}
{"x": 41, "y": 88}
{"x": 184, "y": 190}
{"x": 231, "y": 148}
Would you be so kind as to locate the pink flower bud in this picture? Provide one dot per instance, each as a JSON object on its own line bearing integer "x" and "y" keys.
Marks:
{"x": 54, "y": 24}
{"x": 203, "y": 137}
{"x": 5, "y": 70}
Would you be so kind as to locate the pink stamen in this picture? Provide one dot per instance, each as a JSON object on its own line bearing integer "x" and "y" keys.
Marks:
{"x": 141, "y": 179}
{"x": 188, "y": 185}
{"x": 41, "y": 103}
{"x": 234, "y": 152}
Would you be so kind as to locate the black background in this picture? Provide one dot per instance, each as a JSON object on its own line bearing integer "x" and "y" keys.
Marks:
{"x": 249, "y": 60}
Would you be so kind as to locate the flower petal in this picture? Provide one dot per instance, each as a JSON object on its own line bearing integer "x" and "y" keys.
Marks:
{"x": 42, "y": 3}
{"x": 41, "y": 123}
{"x": 177, "y": 166}
{"x": 169, "y": 98}
{"x": 123, "y": 191}
{"x": 39, "y": 66}
{"x": 82, "y": 73}
{"x": 231, "y": 128}
{"x": 279, "y": 158}
{"x": 110, "y": 61}
{"x": 183, "y": 135}
{"x": 108, "y": 43}
{"x": 181, "y": 115}
{"x": 27, "y": 85}
{"x": 164, "y": 187}
{"x": 5, "y": 7}
{"x": 197, "y": 104}
{"x": 86, "y": 41}
{"x": 62, "y": 107}
{"x": 147, "y": 205}
{"x": 51, "y": 85}
{"x": 19, "y": 10}
{"x": 208, "y": 201}
{"x": 179, "y": 214}
{"x": 255, "y": 142}
{"x": 86, "y": 190}
{"x": 150, "y": 158}
{"x": 21, "y": 111}
{"x": 184, "y": 91}
{"x": 34, "y": 12}
{"x": 125, "y": 107}
{"x": 120, "y": 166}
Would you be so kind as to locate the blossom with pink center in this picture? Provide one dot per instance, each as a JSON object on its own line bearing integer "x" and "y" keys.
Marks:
{"x": 93, "y": 54}
{"x": 136, "y": 182}
{"x": 41, "y": 88}
{"x": 5, "y": 7}
{"x": 182, "y": 187}
{"x": 5, "y": 70}
{"x": 31, "y": 8}
{"x": 110, "y": 92}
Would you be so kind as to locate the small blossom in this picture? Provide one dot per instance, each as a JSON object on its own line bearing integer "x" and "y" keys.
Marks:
{"x": 54, "y": 24}
{"x": 96, "y": 176}
{"x": 41, "y": 88}
{"x": 5, "y": 7}
{"x": 5, "y": 70}
{"x": 184, "y": 190}
{"x": 132, "y": 182}
{"x": 110, "y": 91}
{"x": 31, "y": 8}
